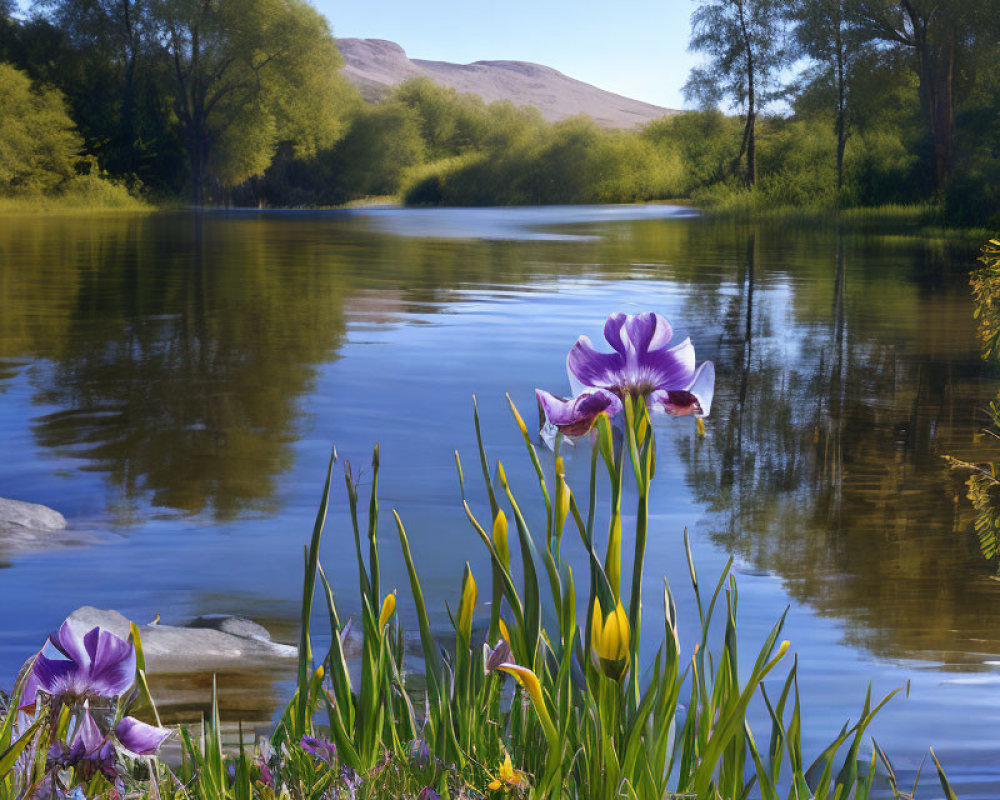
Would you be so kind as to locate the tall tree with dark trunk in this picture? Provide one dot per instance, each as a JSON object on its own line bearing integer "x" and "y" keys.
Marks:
{"x": 745, "y": 44}
{"x": 822, "y": 34}
{"x": 112, "y": 39}
{"x": 939, "y": 33}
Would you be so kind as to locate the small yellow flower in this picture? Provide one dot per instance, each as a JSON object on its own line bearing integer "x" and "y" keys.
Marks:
{"x": 508, "y": 776}
{"x": 388, "y": 609}
{"x": 610, "y": 639}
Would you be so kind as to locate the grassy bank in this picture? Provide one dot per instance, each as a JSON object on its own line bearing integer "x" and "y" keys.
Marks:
{"x": 82, "y": 195}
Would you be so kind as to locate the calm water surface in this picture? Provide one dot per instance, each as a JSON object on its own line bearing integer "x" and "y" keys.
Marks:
{"x": 173, "y": 384}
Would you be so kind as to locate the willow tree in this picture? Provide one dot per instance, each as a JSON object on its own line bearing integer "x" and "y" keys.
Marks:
{"x": 249, "y": 75}
{"x": 745, "y": 44}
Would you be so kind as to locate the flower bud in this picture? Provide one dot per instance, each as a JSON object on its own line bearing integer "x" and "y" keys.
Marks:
{"x": 467, "y": 605}
{"x": 610, "y": 638}
{"x": 388, "y": 609}
{"x": 500, "y": 539}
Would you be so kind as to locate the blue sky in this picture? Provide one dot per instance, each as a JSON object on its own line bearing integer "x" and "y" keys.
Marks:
{"x": 637, "y": 48}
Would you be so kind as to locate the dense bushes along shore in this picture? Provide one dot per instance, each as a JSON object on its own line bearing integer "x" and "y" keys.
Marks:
{"x": 242, "y": 101}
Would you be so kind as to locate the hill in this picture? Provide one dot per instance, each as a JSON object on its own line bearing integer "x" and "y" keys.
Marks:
{"x": 376, "y": 65}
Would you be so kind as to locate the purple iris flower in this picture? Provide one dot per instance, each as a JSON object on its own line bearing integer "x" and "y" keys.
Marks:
{"x": 97, "y": 664}
{"x": 90, "y": 751}
{"x": 427, "y": 793}
{"x": 643, "y": 366}
{"x": 323, "y": 749}
{"x": 139, "y": 738}
{"x": 495, "y": 656}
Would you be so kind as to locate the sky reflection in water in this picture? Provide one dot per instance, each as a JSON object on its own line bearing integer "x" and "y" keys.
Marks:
{"x": 174, "y": 383}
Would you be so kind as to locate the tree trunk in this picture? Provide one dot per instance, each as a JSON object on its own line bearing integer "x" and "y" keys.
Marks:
{"x": 841, "y": 99}
{"x": 936, "y": 65}
{"x": 749, "y": 132}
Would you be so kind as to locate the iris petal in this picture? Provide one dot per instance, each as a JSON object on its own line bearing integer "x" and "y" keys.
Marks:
{"x": 68, "y": 642}
{"x": 113, "y": 664}
{"x": 695, "y": 399}
{"x": 647, "y": 333}
{"x": 576, "y": 416}
{"x": 140, "y": 738}
{"x": 594, "y": 369}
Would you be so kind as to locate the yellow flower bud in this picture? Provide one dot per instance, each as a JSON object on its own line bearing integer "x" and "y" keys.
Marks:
{"x": 504, "y": 633}
{"x": 563, "y": 496}
{"x": 783, "y": 648}
{"x": 500, "y": 541}
{"x": 467, "y": 605}
{"x": 610, "y": 639}
{"x": 517, "y": 418}
{"x": 388, "y": 609}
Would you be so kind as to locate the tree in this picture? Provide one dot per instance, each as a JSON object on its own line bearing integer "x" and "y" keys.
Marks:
{"x": 112, "y": 39}
{"x": 940, "y": 33}
{"x": 745, "y": 44}
{"x": 39, "y": 145}
{"x": 822, "y": 34}
{"x": 249, "y": 75}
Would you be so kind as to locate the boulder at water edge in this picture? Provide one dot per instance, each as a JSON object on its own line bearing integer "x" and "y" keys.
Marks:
{"x": 30, "y": 526}
{"x": 211, "y": 643}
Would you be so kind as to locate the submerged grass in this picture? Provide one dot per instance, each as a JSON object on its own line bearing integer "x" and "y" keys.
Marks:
{"x": 550, "y": 705}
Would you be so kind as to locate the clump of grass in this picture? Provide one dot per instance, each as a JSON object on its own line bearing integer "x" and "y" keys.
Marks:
{"x": 554, "y": 703}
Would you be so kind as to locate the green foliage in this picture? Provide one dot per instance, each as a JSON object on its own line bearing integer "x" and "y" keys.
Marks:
{"x": 569, "y": 162}
{"x": 251, "y": 74}
{"x": 983, "y": 483}
{"x": 39, "y": 145}
{"x": 704, "y": 142}
{"x": 382, "y": 142}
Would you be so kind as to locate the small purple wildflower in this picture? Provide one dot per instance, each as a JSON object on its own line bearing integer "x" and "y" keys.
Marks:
{"x": 352, "y": 781}
{"x": 427, "y": 793}
{"x": 322, "y": 749}
{"x": 420, "y": 753}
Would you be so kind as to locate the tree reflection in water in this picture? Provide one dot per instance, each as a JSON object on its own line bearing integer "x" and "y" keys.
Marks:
{"x": 826, "y": 466}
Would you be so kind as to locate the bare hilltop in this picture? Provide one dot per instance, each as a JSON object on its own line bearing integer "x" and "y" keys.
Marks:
{"x": 376, "y": 65}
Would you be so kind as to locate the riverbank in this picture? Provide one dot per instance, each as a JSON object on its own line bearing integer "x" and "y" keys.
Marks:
{"x": 85, "y": 194}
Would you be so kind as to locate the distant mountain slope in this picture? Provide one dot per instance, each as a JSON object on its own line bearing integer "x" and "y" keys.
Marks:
{"x": 375, "y": 65}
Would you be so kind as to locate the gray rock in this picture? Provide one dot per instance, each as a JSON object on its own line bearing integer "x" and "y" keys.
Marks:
{"x": 231, "y": 642}
{"x": 29, "y": 515}
{"x": 29, "y": 526}
{"x": 237, "y": 626}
